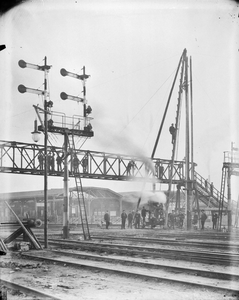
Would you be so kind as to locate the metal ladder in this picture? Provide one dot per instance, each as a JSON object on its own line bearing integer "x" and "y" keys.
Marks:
{"x": 222, "y": 192}
{"x": 80, "y": 194}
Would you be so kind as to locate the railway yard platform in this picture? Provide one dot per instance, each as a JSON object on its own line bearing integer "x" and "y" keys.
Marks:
{"x": 126, "y": 264}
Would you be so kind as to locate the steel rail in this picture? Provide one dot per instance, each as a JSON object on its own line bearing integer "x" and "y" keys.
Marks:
{"x": 200, "y": 235}
{"x": 224, "y": 285}
{"x": 203, "y": 257}
{"x": 155, "y": 265}
{"x": 170, "y": 242}
{"x": 27, "y": 290}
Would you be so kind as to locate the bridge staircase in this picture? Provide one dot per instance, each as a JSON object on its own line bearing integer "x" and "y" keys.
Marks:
{"x": 208, "y": 194}
{"x": 79, "y": 189}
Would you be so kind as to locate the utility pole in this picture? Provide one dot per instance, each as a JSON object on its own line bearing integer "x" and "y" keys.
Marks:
{"x": 87, "y": 132}
{"x": 188, "y": 186}
{"x": 22, "y": 89}
{"x": 46, "y": 158}
{"x": 66, "y": 191}
{"x": 229, "y": 194}
{"x": 72, "y": 129}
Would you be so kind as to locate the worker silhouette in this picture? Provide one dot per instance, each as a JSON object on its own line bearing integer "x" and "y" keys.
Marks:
{"x": 172, "y": 130}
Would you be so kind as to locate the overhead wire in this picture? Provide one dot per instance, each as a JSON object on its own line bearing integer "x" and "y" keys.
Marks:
{"x": 151, "y": 97}
{"x": 154, "y": 121}
{"x": 135, "y": 71}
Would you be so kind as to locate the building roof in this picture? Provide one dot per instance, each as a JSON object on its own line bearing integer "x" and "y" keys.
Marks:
{"x": 95, "y": 192}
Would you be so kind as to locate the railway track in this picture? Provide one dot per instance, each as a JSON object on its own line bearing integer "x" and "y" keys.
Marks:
{"x": 29, "y": 292}
{"x": 172, "y": 242}
{"x": 208, "y": 257}
{"x": 199, "y": 235}
{"x": 177, "y": 266}
{"x": 138, "y": 267}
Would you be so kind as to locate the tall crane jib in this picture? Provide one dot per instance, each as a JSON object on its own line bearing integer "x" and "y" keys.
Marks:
{"x": 195, "y": 187}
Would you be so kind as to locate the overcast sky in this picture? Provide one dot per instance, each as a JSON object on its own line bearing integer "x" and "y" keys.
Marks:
{"x": 131, "y": 49}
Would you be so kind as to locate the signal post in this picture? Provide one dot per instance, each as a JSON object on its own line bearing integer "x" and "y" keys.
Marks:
{"x": 70, "y": 128}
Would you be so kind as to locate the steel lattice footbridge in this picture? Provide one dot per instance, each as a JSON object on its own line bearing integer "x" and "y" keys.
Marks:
{"x": 24, "y": 158}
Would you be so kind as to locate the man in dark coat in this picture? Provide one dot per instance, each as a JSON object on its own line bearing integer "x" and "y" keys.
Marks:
{"x": 123, "y": 219}
{"x": 107, "y": 219}
{"x": 41, "y": 160}
{"x": 172, "y": 218}
{"x": 172, "y": 130}
{"x": 143, "y": 214}
{"x": 203, "y": 219}
{"x": 130, "y": 219}
{"x": 137, "y": 220}
{"x": 214, "y": 220}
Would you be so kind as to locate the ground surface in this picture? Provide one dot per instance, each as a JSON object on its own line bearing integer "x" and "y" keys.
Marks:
{"x": 69, "y": 283}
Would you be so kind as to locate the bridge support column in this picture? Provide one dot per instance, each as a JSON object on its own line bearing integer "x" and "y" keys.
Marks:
{"x": 178, "y": 204}
{"x": 229, "y": 209}
{"x": 66, "y": 192}
{"x": 189, "y": 206}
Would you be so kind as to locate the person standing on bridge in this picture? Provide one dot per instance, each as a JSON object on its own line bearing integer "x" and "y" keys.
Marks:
{"x": 123, "y": 219}
{"x": 59, "y": 161}
{"x": 41, "y": 160}
{"x": 75, "y": 163}
{"x": 211, "y": 188}
{"x": 172, "y": 130}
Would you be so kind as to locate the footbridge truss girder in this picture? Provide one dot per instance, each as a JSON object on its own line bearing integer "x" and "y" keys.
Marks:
{"x": 24, "y": 158}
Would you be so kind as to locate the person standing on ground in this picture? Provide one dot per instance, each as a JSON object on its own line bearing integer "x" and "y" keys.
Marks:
{"x": 137, "y": 220}
{"x": 107, "y": 219}
{"x": 130, "y": 219}
{"x": 143, "y": 214}
{"x": 203, "y": 219}
{"x": 172, "y": 219}
{"x": 214, "y": 220}
{"x": 123, "y": 219}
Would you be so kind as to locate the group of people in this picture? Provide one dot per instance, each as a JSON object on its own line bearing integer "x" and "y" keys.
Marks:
{"x": 137, "y": 219}
{"x": 51, "y": 160}
{"x": 133, "y": 218}
{"x": 175, "y": 220}
{"x": 203, "y": 218}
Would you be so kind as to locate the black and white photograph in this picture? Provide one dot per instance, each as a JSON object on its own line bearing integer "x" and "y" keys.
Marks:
{"x": 119, "y": 150}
